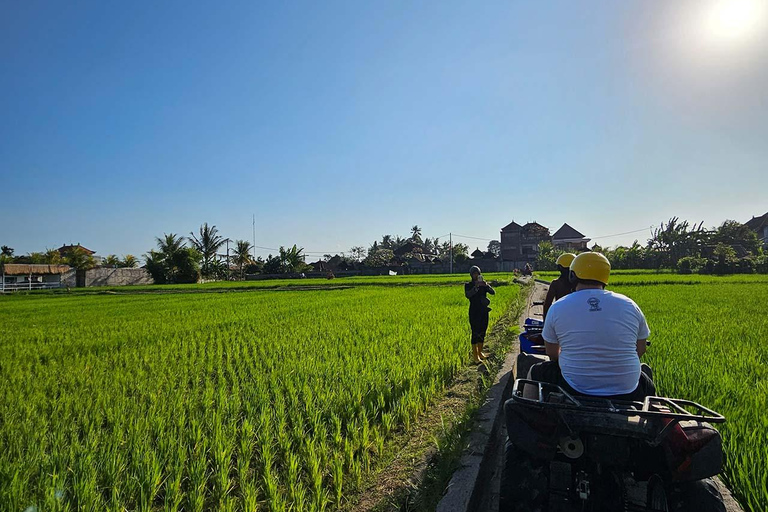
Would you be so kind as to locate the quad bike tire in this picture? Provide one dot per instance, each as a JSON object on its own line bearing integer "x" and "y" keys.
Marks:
{"x": 524, "y": 482}
{"x": 698, "y": 496}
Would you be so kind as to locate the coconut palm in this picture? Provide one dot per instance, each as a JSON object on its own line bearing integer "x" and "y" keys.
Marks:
{"x": 208, "y": 243}
{"x": 130, "y": 261}
{"x": 416, "y": 234}
{"x": 242, "y": 254}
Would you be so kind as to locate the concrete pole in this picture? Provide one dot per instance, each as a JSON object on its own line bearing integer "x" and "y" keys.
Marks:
{"x": 450, "y": 249}
{"x": 227, "y": 259}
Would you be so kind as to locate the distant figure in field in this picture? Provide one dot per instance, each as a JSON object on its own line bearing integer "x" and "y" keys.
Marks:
{"x": 476, "y": 291}
{"x": 561, "y": 286}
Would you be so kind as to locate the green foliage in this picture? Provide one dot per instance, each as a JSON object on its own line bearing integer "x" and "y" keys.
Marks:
{"x": 129, "y": 261}
{"x": 112, "y": 261}
{"x": 379, "y": 257}
{"x": 709, "y": 346}
{"x": 732, "y": 232}
{"x": 78, "y": 258}
{"x": 547, "y": 256}
{"x": 173, "y": 262}
{"x": 217, "y": 401}
{"x": 691, "y": 265}
{"x": 207, "y": 243}
{"x": 242, "y": 255}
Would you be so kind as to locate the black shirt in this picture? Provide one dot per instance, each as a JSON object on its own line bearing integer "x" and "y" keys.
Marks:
{"x": 478, "y": 300}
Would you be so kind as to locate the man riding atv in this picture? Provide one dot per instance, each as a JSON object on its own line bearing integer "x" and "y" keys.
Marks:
{"x": 594, "y": 338}
{"x": 561, "y": 286}
{"x": 586, "y": 431}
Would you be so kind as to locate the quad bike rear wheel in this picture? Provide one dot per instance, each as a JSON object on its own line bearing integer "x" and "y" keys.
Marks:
{"x": 698, "y": 496}
{"x": 524, "y": 482}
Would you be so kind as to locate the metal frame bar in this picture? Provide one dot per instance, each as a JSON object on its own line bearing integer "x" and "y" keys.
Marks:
{"x": 615, "y": 406}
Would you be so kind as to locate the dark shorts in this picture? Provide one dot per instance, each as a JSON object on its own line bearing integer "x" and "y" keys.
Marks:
{"x": 549, "y": 371}
{"x": 478, "y": 321}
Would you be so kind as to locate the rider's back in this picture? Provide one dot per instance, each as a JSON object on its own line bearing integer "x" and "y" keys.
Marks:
{"x": 597, "y": 331}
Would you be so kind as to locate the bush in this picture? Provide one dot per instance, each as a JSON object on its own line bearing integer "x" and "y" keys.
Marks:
{"x": 691, "y": 265}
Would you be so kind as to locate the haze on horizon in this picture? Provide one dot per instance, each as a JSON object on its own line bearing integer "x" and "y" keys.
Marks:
{"x": 336, "y": 123}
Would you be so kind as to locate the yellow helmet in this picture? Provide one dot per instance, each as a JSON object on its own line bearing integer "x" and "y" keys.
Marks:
{"x": 591, "y": 265}
{"x": 565, "y": 259}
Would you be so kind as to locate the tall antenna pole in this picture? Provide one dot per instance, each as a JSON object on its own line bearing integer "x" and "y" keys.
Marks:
{"x": 450, "y": 249}
{"x": 254, "y": 237}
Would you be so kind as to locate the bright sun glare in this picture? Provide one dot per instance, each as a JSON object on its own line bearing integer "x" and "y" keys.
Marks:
{"x": 735, "y": 20}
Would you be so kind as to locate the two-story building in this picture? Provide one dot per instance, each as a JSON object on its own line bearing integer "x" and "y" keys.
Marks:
{"x": 760, "y": 226}
{"x": 520, "y": 244}
{"x": 568, "y": 239}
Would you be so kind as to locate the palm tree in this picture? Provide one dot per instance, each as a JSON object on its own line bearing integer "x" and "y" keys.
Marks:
{"x": 292, "y": 259}
{"x": 416, "y": 234}
{"x": 208, "y": 244}
{"x": 80, "y": 259}
{"x": 242, "y": 254}
{"x": 170, "y": 244}
{"x": 112, "y": 261}
{"x": 130, "y": 261}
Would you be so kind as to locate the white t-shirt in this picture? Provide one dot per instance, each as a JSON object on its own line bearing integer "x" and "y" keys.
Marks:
{"x": 597, "y": 331}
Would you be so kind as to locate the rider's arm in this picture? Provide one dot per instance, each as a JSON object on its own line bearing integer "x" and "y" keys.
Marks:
{"x": 641, "y": 346}
{"x": 553, "y": 350}
{"x": 549, "y": 299}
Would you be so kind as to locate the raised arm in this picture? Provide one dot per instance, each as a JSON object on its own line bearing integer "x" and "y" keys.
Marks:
{"x": 470, "y": 291}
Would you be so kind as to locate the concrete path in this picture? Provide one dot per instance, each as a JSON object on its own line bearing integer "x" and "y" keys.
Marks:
{"x": 490, "y": 495}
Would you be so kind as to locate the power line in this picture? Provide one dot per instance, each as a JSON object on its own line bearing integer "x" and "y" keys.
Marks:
{"x": 474, "y": 237}
{"x": 619, "y": 234}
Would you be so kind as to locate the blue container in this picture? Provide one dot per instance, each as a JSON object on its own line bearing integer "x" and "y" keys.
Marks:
{"x": 526, "y": 345}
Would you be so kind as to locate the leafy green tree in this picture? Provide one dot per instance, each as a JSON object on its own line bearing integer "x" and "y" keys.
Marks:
{"x": 732, "y": 233}
{"x": 272, "y": 265}
{"x": 6, "y": 251}
{"x": 379, "y": 258}
{"x": 242, "y": 255}
{"x": 129, "y": 261}
{"x": 675, "y": 240}
{"x": 358, "y": 253}
{"x": 547, "y": 256}
{"x": 725, "y": 258}
{"x": 173, "y": 262}
{"x": 207, "y": 244}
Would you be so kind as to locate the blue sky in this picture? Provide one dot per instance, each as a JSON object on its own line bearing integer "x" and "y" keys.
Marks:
{"x": 337, "y": 122}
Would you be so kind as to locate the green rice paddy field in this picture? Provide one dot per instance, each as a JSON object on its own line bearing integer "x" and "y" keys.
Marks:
{"x": 710, "y": 344}
{"x": 284, "y": 400}
{"x": 266, "y": 400}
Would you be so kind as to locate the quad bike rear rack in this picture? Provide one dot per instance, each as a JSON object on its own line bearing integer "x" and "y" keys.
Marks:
{"x": 673, "y": 410}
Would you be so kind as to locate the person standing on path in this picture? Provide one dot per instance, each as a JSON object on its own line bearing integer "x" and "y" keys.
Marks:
{"x": 476, "y": 291}
{"x": 561, "y": 286}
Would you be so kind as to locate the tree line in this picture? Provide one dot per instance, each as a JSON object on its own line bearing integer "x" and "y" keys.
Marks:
{"x": 687, "y": 248}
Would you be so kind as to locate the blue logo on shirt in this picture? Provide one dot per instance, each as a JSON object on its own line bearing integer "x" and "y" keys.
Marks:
{"x": 594, "y": 304}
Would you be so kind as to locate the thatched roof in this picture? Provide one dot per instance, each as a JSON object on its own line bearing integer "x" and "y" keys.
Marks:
{"x": 25, "y": 269}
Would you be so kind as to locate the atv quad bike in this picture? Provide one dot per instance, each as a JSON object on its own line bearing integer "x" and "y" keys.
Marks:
{"x": 581, "y": 453}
